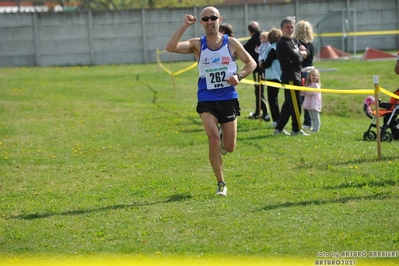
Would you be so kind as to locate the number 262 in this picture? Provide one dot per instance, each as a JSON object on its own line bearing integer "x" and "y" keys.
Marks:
{"x": 218, "y": 77}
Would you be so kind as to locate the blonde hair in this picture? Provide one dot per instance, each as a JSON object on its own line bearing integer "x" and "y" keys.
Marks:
{"x": 264, "y": 34}
{"x": 304, "y": 31}
{"x": 313, "y": 71}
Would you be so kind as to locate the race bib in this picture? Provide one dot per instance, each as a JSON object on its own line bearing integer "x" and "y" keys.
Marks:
{"x": 216, "y": 78}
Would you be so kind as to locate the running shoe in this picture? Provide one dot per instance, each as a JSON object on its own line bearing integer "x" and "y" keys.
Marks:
{"x": 300, "y": 132}
{"x": 281, "y": 132}
{"x": 266, "y": 118}
{"x": 222, "y": 189}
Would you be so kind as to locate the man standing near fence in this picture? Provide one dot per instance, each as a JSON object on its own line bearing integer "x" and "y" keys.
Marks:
{"x": 290, "y": 54}
{"x": 251, "y": 46}
{"x": 397, "y": 65}
{"x": 218, "y": 78}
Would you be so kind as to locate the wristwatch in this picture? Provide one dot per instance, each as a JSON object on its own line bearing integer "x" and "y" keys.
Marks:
{"x": 239, "y": 76}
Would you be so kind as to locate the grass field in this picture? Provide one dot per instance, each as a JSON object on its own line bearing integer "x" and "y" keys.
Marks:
{"x": 108, "y": 165}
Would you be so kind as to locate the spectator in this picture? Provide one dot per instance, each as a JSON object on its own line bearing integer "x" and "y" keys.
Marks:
{"x": 397, "y": 65}
{"x": 273, "y": 73}
{"x": 312, "y": 101}
{"x": 226, "y": 29}
{"x": 304, "y": 34}
{"x": 251, "y": 46}
{"x": 264, "y": 43}
{"x": 370, "y": 100}
{"x": 290, "y": 54}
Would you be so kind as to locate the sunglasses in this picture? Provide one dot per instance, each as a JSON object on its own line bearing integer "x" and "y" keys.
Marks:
{"x": 206, "y": 19}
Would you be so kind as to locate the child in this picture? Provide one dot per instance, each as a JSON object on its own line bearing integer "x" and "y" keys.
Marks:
{"x": 367, "y": 106}
{"x": 263, "y": 47}
{"x": 312, "y": 101}
{"x": 260, "y": 94}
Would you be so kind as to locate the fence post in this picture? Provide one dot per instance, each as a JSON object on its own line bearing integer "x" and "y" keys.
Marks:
{"x": 197, "y": 25}
{"x": 246, "y": 17}
{"x": 35, "y": 39}
{"x": 90, "y": 33}
{"x": 144, "y": 35}
{"x": 377, "y": 114}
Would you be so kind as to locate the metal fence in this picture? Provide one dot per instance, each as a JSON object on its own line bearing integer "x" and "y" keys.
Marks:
{"x": 132, "y": 36}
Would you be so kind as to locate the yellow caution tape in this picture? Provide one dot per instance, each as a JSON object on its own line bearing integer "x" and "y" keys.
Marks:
{"x": 139, "y": 260}
{"x": 357, "y": 33}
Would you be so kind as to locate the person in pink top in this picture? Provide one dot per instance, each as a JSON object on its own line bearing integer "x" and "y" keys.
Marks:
{"x": 396, "y": 68}
{"x": 312, "y": 101}
{"x": 367, "y": 106}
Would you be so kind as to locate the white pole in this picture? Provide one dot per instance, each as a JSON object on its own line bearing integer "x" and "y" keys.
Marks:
{"x": 377, "y": 114}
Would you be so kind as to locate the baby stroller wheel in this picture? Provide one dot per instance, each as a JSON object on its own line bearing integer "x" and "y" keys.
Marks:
{"x": 370, "y": 135}
{"x": 386, "y": 136}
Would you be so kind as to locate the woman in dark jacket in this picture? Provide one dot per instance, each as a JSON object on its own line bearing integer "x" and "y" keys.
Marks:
{"x": 304, "y": 34}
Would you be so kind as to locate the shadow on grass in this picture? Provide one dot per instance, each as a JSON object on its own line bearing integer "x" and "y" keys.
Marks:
{"x": 369, "y": 159}
{"x": 192, "y": 120}
{"x": 154, "y": 92}
{"x": 374, "y": 183}
{"x": 344, "y": 162}
{"x": 37, "y": 215}
{"x": 247, "y": 139}
{"x": 323, "y": 202}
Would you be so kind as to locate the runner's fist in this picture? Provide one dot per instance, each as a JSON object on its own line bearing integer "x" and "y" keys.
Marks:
{"x": 190, "y": 19}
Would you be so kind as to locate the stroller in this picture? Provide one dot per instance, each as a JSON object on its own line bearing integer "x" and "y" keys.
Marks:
{"x": 389, "y": 111}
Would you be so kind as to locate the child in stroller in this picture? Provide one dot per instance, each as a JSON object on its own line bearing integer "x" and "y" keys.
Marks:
{"x": 389, "y": 111}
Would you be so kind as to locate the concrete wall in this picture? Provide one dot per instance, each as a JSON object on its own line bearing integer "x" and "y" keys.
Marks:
{"x": 132, "y": 36}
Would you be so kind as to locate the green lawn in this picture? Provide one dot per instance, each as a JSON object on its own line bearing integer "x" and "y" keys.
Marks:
{"x": 111, "y": 162}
